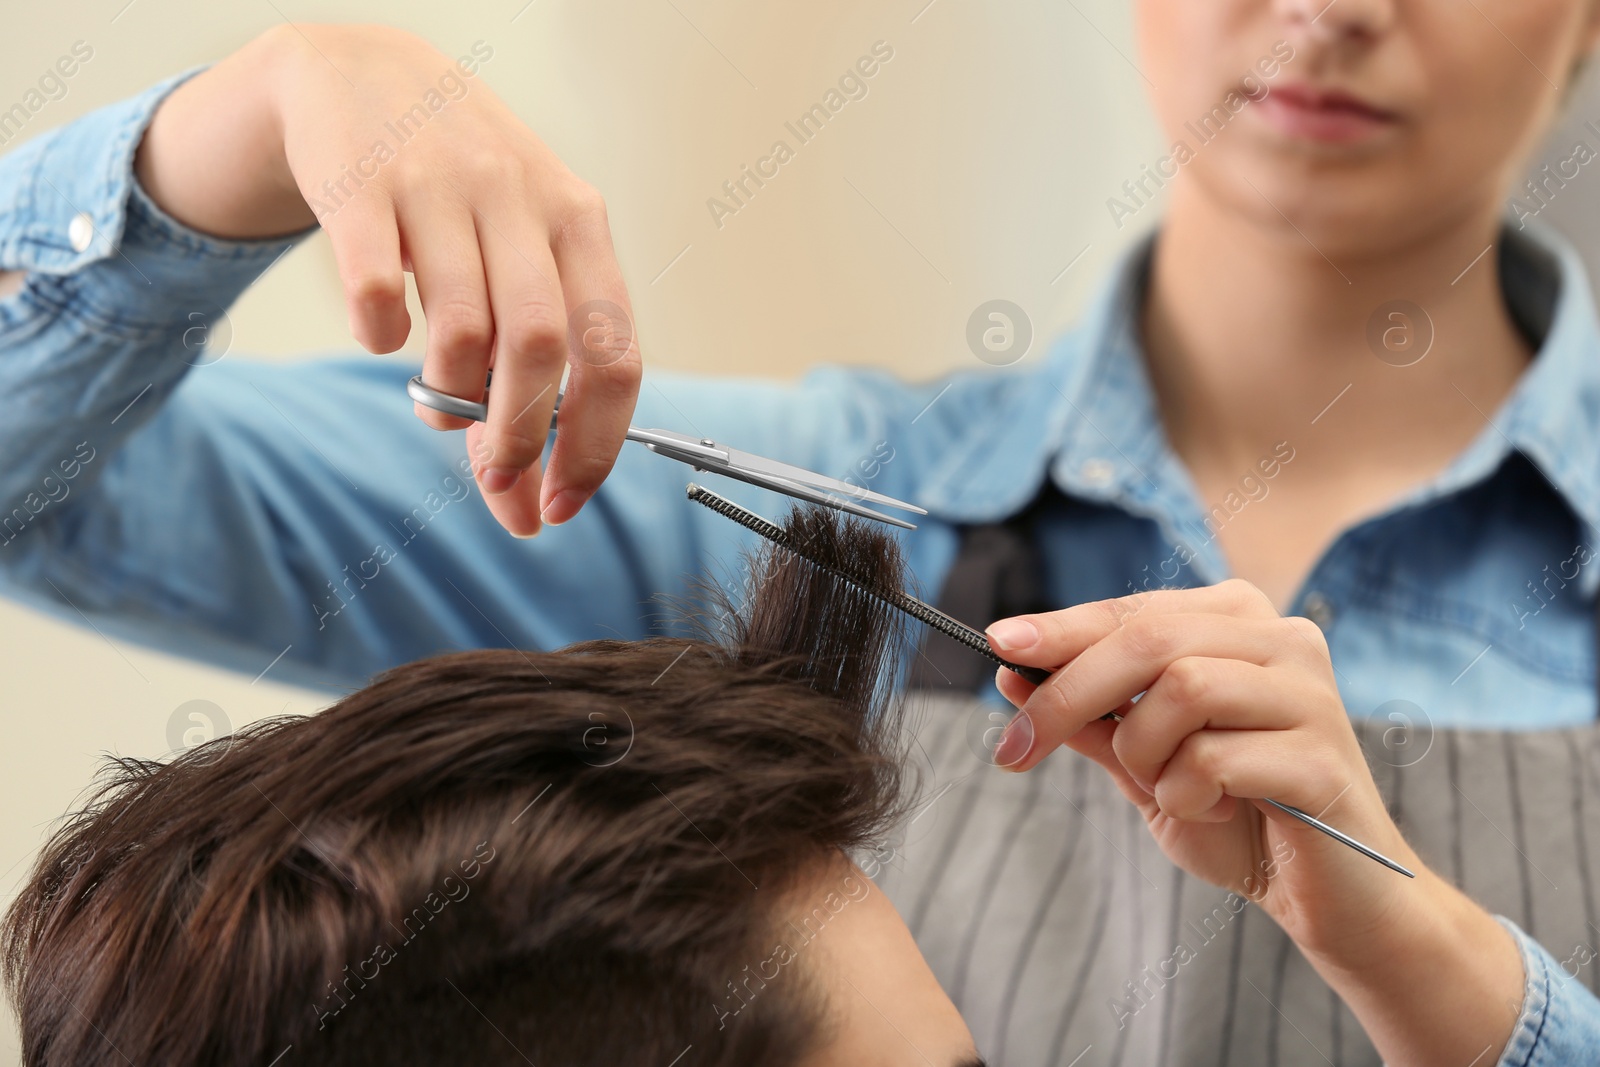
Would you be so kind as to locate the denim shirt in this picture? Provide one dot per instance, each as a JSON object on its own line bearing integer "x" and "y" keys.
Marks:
{"x": 297, "y": 520}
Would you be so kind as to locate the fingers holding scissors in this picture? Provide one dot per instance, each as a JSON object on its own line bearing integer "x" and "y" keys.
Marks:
{"x": 605, "y": 360}
{"x": 545, "y": 275}
{"x": 529, "y": 356}
{"x": 510, "y": 251}
{"x": 558, "y": 300}
{"x": 440, "y": 249}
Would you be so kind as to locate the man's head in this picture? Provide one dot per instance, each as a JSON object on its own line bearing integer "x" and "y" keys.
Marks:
{"x": 621, "y": 852}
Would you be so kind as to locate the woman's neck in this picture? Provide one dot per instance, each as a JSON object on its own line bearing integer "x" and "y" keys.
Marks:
{"x": 1251, "y": 332}
{"x": 1254, "y": 337}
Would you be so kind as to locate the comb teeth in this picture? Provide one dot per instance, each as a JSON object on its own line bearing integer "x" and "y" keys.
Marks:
{"x": 924, "y": 613}
{"x": 748, "y": 519}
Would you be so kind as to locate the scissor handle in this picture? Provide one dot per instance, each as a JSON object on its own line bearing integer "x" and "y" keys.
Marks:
{"x": 429, "y": 397}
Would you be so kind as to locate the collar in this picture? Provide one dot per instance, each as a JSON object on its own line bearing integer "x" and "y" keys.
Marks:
{"x": 1552, "y": 415}
{"x": 1086, "y": 417}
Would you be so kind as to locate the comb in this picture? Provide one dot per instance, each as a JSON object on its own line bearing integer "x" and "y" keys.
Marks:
{"x": 923, "y": 612}
{"x": 972, "y": 638}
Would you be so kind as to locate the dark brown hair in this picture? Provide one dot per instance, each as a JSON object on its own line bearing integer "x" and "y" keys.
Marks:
{"x": 492, "y": 857}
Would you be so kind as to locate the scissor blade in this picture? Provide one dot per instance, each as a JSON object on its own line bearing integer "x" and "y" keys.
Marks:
{"x": 795, "y": 489}
{"x": 722, "y": 459}
{"x": 832, "y": 500}
{"x": 762, "y": 466}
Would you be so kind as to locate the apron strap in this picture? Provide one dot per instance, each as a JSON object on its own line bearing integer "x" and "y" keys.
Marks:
{"x": 998, "y": 572}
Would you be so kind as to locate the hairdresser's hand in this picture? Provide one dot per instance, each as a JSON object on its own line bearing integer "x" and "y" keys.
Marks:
{"x": 411, "y": 163}
{"x": 1239, "y": 704}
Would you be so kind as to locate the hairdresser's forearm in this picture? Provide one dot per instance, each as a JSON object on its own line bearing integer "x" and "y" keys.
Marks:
{"x": 117, "y": 303}
{"x": 213, "y": 157}
{"x": 1440, "y": 984}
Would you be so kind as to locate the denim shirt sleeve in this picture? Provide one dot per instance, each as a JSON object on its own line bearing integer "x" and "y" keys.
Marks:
{"x": 1560, "y": 1020}
{"x": 100, "y": 334}
{"x": 297, "y": 520}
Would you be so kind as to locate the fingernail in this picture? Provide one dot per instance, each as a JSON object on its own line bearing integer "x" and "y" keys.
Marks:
{"x": 496, "y": 480}
{"x": 562, "y": 507}
{"x": 526, "y": 536}
{"x": 1015, "y": 742}
{"x": 1009, "y": 634}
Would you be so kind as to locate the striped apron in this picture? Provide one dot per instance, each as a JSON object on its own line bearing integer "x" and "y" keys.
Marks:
{"x": 1066, "y": 937}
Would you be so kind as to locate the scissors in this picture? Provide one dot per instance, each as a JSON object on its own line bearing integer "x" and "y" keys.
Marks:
{"x": 704, "y": 454}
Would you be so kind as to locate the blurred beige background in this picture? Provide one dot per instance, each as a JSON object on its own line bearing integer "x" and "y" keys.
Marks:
{"x": 976, "y": 167}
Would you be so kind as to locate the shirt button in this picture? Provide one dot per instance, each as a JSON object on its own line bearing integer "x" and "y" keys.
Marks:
{"x": 80, "y": 231}
{"x": 1096, "y": 471}
{"x": 1318, "y": 610}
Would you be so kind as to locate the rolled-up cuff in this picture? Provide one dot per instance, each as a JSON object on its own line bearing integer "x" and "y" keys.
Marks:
{"x": 74, "y": 216}
{"x": 1559, "y": 1025}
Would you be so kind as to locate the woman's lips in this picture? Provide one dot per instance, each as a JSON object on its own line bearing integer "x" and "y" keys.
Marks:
{"x": 1327, "y": 115}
